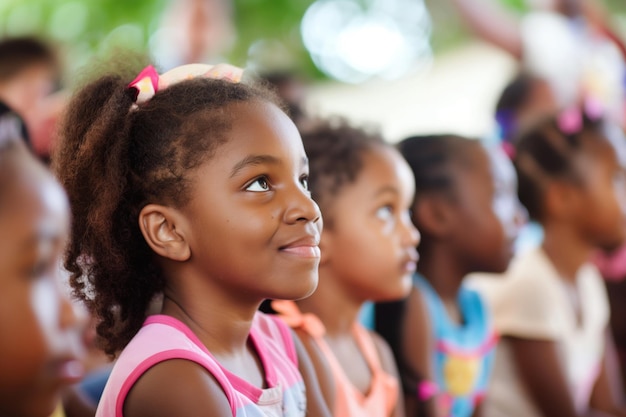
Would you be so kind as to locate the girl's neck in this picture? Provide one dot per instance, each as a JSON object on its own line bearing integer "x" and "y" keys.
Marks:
{"x": 220, "y": 320}
{"x": 565, "y": 249}
{"x": 444, "y": 273}
{"x": 336, "y": 306}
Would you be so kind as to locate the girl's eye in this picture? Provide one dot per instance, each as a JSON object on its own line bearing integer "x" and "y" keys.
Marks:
{"x": 305, "y": 182}
{"x": 384, "y": 213}
{"x": 259, "y": 185}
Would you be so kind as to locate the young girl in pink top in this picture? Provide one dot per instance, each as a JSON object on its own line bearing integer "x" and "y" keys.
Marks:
{"x": 191, "y": 186}
{"x": 40, "y": 343}
{"x": 364, "y": 188}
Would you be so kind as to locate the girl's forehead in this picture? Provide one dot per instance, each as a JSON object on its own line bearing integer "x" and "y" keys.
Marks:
{"x": 383, "y": 174}
{"x": 381, "y": 157}
{"x": 259, "y": 129}
{"x": 483, "y": 167}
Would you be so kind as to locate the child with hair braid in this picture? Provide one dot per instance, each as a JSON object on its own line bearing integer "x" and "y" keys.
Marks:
{"x": 442, "y": 334}
{"x": 551, "y": 307}
{"x": 191, "y": 186}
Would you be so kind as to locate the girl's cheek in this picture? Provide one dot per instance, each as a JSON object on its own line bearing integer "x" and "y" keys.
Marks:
{"x": 45, "y": 304}
{"x": 512, "y": 215}
{"x": 619, "y": 190}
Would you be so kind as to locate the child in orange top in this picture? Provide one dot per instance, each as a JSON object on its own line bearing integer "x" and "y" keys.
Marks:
{"x": 364, "y": 189}
{"x": 40, "y": 337}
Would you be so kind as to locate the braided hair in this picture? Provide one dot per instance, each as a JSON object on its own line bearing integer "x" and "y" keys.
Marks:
{"x": 547, "y": 153}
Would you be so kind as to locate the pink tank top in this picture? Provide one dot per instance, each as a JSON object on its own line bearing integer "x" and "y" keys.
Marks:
{"x": 383, "y": 394}
{"x": 163, "y": 338}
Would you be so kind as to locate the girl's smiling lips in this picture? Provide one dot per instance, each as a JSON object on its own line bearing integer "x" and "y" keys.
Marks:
{"x": 305, "y": 247}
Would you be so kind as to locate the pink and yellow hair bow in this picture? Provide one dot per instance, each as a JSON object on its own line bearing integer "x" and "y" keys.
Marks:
{"x": 571, "y": 120}
{"x": 148, "y": 82}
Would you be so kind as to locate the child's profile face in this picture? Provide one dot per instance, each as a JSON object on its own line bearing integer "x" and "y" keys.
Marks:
{"x": 488, "y": 213}
{"x": 506, "y": 204}
{"x": 40, "y": 340}
{"x": 601, "y": 211}
{"x": 256, "y": 228}
{"x": 371, "y": 245}
{"x": 26, "y": 92}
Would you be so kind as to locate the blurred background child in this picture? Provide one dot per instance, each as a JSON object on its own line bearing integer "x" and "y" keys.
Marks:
{"x": 40, "y": 345}
{"x": 29, "y": 74}
{"x": 191, "y": 186}
{"x": 524, "y": 102}
{"x": 551, "y": 307}
{"x": 568, "y": 44}
{"x": 442, "y": 333}
{"x": 364, "y": 189}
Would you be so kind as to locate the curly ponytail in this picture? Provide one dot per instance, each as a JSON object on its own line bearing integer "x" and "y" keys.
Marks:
{"x": 92, "y": 164}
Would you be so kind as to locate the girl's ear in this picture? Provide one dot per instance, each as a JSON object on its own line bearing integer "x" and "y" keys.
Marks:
{"x": 162, "y": 228}
{"x": 435, "y": 215}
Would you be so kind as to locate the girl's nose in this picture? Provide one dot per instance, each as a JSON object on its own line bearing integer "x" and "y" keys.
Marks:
{"x": 301, "y": 207}
{"x": 412, "y": 236}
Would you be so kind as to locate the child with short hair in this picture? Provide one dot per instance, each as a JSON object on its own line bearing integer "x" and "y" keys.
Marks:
{"x": 442, "y": 334}
{"x": 29, "y": 74}
{"x": 191, "y": 186}
{"x": 40, "y": 345}
{"x": 551, "y": 307}
{"x": 364, "y": 189}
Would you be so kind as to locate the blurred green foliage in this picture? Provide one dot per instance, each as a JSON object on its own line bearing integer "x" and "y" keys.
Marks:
{"x": 277, "y": 24}
{"x": 270, "y": 27}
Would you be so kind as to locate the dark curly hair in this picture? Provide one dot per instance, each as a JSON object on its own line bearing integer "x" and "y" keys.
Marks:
{"x": 546, "y": 153}
{"x": 113, "y": 161}
{"x": 335, "y": 151}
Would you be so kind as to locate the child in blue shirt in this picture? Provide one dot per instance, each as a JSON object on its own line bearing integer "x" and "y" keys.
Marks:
{"x": 442, "y": 334}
